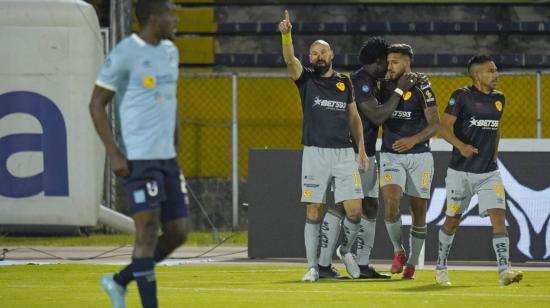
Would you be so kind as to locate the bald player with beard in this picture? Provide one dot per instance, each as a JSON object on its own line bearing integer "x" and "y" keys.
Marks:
{"x": 330, "y": 114}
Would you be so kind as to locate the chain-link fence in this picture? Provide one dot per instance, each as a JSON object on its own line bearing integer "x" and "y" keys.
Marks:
{"x": 269, "y": 116}
{"x": 223, "y": 116}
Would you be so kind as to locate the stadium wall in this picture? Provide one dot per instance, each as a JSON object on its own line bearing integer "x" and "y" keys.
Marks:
{"x": 276, "y": 216}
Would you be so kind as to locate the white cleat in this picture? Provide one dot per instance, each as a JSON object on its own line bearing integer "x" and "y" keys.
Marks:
{"x": 442, "y": 277}
{"x": 312, "y": 275}
{"x": 509, "y": 276}
{"x": 349, "y": 261}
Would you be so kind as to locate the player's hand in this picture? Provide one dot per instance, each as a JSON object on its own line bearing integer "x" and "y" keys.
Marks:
{"x": 468, "y": 150}
{"x": 422, "y": 79}
{"x": 285, "y": 26}
{"x": 363, "y": 161}
{"x": 119, "y": 165}
{"x": 407, "y": 81}
{"x": 404, "y": 144}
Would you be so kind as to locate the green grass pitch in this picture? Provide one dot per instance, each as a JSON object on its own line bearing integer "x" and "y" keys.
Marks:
{"x": 266, "y": 286}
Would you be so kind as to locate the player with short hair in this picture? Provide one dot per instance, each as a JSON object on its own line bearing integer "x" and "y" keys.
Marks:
{"x": 142, "y": 70}
{"x": 330, "y": 113}
{"x": 471, "y": 123}
{"x": 406, "y": 160}
{"x": 373, "y": 111}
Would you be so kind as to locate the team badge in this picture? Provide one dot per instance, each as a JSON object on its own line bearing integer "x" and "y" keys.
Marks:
{"x": 452, "y": 101}
{"x": 407, "y": 95}
{"x": 341, "y": 86}
{"x": 388, "y": 177}
{"x": 307, "y": 194}
{"x": 498, "y": 105}
{"x": 365, "y": 88}
{"x": 149, "y": 82}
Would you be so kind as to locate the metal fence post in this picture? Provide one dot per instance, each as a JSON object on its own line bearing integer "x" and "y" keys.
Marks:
{"x": 234, "y": 150}
{"x": 539, "y": 105}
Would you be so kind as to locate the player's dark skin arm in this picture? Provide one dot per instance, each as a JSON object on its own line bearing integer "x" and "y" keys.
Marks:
{"x": 378, "y": 113}
{"x": 406, "y": 143}
{"x": 447, "y": 132}
{"x": 100, "y": 99}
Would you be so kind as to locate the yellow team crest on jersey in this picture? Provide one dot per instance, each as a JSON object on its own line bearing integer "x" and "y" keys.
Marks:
{"x": 341, "y": 86}
{"x": 407, "y": 95}
{"x": 307, "y": 194}
{"x": 149, "y": 82}
{"x": 498, "y": 105}
{"x": 388, "y": 177}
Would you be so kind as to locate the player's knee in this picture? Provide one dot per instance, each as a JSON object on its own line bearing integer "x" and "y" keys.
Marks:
{"x": 370, "y": 208}
{"x": 451, "y": 224}
{"x": 392, "y": 202}
{"x": 314, "y": 212}
{"x": 147, "y": 234}
{"x": 337, "y": 210}
{"x": 354, "y": 214}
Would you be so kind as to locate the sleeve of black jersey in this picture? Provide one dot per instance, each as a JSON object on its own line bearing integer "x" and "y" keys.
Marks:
{"x": 454, "y": 106}
{"x": 428, "y": 96}
{"x": 306, "y": 74}
{"x": 503, "y": 105}
{"x": 362, "y": 91}
{"x": 350, "y": 90}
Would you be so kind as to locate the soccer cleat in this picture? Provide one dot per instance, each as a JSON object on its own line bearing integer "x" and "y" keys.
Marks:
{"x": 509, "y": 276}
{"x": 311, "y": 276}
{"x": 349, "y": 261}
{"x": 329, "y": 272}
{"x": 116, "y": 292}
{"x": 399, "y": 260}
{"x": 442, "y": 277}
{"x": 408, "y": 273}
{"x": 369, "y": 272}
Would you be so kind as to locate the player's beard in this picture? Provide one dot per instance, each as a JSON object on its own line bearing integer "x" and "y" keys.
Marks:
{"x": 320, "y": 70}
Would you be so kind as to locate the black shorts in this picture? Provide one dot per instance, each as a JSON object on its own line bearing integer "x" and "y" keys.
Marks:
{"x": 156, "y": 184}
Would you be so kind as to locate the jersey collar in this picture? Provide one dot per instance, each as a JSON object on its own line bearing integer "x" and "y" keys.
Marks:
{"x": 478, "y": 91}
{"x": 138, "y": 40}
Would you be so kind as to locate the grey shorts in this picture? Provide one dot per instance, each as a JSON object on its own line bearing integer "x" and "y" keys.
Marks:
{"x": 320, "y": 165}
{"x": 412, "y": 172}
{"x": 461, "y": 186}
{"x": 369, "y": 179}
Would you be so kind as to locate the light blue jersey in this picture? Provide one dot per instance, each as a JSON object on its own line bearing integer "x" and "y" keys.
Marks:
{"x": 144, "y": 78}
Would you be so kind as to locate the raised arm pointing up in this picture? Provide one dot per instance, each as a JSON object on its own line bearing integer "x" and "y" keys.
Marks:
{"x": 292, "y": 63}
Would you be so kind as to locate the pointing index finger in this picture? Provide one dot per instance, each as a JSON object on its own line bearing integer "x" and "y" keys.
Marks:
{"x": 287, "y": 18}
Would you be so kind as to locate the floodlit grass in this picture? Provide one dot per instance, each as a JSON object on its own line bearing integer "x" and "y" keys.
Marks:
{"x": 266, "y": 286}
{"x": 194, "y": 239}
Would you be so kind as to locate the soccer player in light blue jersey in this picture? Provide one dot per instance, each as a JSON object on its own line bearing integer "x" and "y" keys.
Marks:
{"x": 141, "y": 72}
